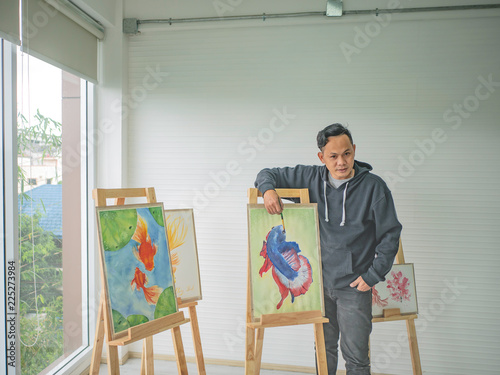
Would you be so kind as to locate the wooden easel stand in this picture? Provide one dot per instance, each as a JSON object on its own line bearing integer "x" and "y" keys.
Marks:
{"x": 143, "y": 332}
{"x": 255, "y": 330}
{"x": 195, "y": 331}
{"x": 391, "y": 316}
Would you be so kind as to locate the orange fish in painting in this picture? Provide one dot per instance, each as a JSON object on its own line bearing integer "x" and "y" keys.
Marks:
{"x": 140, "y": 280}
{"x": 146, "y": 251}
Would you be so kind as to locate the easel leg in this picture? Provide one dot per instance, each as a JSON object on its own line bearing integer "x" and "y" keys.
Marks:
{"x": 179, "y": 351}
{"x": 259, "y": 343}
{"x": 113, "y": 361}
{"x": 250, "y": 355}
{"x": 143, "y": 361}
{"x": 415, "y": 354}
{"x": 319, "y": 337}
{"x": 147, "y": 361}
{"x": 200, "y": 362}
{"x": 98, "y": 342}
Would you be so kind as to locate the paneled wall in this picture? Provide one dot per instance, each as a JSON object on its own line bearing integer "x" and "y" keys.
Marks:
{"x": 209, "y": 106}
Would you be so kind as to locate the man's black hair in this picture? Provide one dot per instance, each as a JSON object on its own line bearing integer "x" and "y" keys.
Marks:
{"x": 332, "y": 131}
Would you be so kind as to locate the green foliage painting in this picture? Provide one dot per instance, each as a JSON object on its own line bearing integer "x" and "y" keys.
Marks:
{"x": 166, "y": 303}
{"x": 118, "y": 227}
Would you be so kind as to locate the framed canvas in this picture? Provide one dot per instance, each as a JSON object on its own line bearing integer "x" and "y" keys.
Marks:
{"x": 184, "y": 253}
{"x": 397, "y": 291}
{"x": 135, "y": 259}
{"x": 284, "y": 263}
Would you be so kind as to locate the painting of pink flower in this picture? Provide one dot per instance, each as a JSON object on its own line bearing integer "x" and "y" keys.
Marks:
{"x": 397, "y": 291}
{"x": 399, "y": 287}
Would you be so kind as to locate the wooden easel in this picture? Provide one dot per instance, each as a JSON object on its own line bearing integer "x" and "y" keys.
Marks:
{"x": 145, "y": 331}
{"x": 195, "y": 331}
{"x": 390, "y": 316}
{"x": 255, "y": 330}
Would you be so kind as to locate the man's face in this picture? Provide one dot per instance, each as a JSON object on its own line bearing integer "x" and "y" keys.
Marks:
{"x": 338, "y": 156}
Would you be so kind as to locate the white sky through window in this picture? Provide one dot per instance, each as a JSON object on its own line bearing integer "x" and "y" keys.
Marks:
{"x": 40, "y": 89}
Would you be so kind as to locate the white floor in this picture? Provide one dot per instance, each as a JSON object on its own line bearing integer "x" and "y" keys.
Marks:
{"x": 133, "y": 367}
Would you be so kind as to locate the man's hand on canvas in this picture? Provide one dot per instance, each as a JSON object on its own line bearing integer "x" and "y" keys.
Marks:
{"x": 273, "y": 202}
{"x": 360, "y": 284}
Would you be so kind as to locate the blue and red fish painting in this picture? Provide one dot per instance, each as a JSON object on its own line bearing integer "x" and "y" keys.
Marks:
{"x": 137, "y": 265}
{"x": 285, "y": 266}
{"x": 291, "y": 271}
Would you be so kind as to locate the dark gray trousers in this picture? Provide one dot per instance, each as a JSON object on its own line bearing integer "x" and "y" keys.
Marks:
{"x": 350, "y": 315}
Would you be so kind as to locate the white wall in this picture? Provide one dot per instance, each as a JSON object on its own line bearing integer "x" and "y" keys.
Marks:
{"x": 110, "y": 135}
{"x": 414, "y": 96}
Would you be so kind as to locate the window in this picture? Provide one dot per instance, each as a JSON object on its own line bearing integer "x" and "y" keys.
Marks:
{"x": 50, "y": 213}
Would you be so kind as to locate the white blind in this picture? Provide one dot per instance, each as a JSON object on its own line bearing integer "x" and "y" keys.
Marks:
{"x": 422, "y": 100}
{"x": 9, "y": 21}
{"x": 56, "y": 39}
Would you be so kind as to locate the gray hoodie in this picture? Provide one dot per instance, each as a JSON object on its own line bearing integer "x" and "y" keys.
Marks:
{"x": 359, "y": 228}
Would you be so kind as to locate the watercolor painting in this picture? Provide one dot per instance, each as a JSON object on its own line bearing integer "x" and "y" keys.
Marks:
{"x": 397, "y": 291}
{"x": 184, "y": 253}
{"x": 285, "y": 260}
{"x": 139, "y": 283}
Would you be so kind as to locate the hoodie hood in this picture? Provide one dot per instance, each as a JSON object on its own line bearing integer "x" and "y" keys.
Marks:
{"x": 360, "y": 170}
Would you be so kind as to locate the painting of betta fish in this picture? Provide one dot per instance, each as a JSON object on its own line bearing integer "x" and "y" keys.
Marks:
{"x": 139, "y": 283}
{"x": 285, "y": 260}
{"x": 291, "y": 271}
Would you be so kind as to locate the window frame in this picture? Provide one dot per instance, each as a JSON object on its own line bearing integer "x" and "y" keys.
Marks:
{"x": 79, "y": 359}
{"x": 9, "y": 177}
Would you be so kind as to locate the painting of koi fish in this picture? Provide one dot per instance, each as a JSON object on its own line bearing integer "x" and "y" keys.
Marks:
{"x": 137, "y": 268}
{"x": 285, "y": 264}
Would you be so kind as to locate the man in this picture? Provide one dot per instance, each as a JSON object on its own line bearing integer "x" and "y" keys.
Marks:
{"x": 359, "y": 233}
